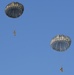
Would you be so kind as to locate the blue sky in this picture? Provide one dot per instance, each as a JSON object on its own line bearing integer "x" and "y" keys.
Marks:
{"x": 29, "y": 52}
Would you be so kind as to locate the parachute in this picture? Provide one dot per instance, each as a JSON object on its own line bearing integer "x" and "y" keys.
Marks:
{"x": 14, "y": 9}
{"x": 60, "y": 43}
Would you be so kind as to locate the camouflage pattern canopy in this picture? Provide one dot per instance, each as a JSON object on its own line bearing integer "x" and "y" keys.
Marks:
{"x": 14, "y": 9}
{"x": 60, "y": 43}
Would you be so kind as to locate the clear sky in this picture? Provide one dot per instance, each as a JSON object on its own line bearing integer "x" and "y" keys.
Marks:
{"x": 29, "y": 52}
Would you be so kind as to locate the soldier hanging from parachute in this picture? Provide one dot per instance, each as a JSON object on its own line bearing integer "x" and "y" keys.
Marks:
{"x": 14, "y": 10}
{"x": 60, "y": 43}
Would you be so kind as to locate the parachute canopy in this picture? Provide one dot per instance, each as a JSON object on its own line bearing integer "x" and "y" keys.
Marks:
{"x": 60, "y": 42}
{"x": 14, "y": 9}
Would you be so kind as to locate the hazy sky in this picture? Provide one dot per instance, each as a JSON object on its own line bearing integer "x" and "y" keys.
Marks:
{"x": 29, "y": 52}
